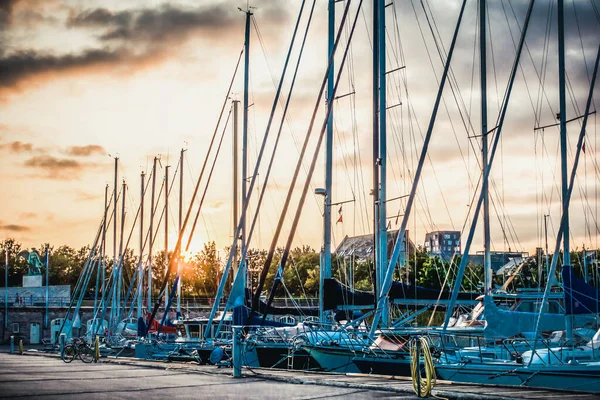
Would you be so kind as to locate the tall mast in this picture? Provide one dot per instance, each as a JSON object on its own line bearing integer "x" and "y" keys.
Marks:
{"x": 152, "y": 209}
{"x": 114, "y": 271}
{"x": 121, "y": 254}
{"x": 103, "y": 244}
{"x": 326, "y": 265}
{"x": 375, "y": 191}
{"x": 166, "y": 229}
{"x": 235, "y": 177}
{"x": 382, "y": 153}
{"x": 179, "y": 231}
{"x": 5, "y": 286}
{"x": 245, "y": 127}
{"x": 141, "y": 262}
{"x": 563, "y": 150}
{"x": 487, "y": 264}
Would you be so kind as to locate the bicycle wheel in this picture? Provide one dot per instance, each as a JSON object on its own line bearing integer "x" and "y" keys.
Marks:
{"x": 68, "y": 354}
{"x": 86, "y": 354}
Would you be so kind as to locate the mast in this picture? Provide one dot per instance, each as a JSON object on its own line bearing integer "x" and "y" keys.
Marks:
{"x": 166, "y": 229}
{"x": 152, "y": 209}
{"x": 245, "y": 128}
{"x": 101, "y": 263}
{"x": 103, "y": 247}
{"x": 5, "y": 287}
{"x": 179, "y": 230}
{"x": 326, "y": 264}
{"x": 114, "y": 271}
{"x": 563, "y": 149}
{"x": 121, "y": 254}
{"x": 236, "y": 103}
{"x": 375, "y": 191}
{"x": 141, "y": 263}
{"x": 487, "y": 264}
{"x": 382, "y": 161}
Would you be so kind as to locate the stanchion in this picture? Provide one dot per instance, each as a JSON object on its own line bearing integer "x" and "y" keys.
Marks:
{"x": 12, "y": 345}
{"x": 237, "y": 351}
{"x": 97, "y": 349}
{"x": 21, "y": 346}
{"x": 61, "y": 342}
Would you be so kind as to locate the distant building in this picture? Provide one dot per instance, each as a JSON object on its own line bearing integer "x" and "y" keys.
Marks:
{"x": 361, "y": 247}
{"x": 500, "y": 260}
{"x": 443, "y": 243}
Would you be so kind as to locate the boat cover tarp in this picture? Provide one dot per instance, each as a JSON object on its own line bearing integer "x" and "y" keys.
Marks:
{"x": 580, "y": 297}
{"x": 297, "y": 311}
{"x": 501, "y": 324}
{"x": 401, "y": 290}
{"x": 241, "y": 314}
{"x": 336, "y": 294}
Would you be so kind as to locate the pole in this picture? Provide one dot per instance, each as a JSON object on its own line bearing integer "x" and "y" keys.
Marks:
{"x": 166, "y": 229}
{"x": 382, "y": 155}
{"x": 149, "y": 297}
{"x": 141, "y": 263}
{"x": 235, "y": 177}
{"x": 5, "y": 288}
{"x": 245, "y": 127}
{"x": 585, "y": 266}
{"x": 326, "y": 266}
{"x": 563, "y": 149}
{"x": 375, "y": 191}
{"x": 121, "y": 254}
{"x": 179, "y": 231}
{"x": 47, "y": 287}
{"x": 546, "y": 234}
{"x": 487, "y": 264}
{"x": 114, "y": 271}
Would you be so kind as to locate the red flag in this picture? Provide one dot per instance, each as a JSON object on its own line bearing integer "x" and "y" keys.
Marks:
{"x": 341, "y": 217}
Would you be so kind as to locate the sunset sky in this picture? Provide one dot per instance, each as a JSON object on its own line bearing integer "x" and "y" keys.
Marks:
{"x": 82, "y": 82}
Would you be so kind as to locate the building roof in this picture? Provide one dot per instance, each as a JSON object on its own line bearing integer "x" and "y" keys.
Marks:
{"x": 362, "y": 246}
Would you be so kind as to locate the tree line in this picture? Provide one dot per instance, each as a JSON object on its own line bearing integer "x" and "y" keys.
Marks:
{"x": 202, "y": 271}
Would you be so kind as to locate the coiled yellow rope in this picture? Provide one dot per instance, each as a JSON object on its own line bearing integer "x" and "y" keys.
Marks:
{"x": 422, "y": 386}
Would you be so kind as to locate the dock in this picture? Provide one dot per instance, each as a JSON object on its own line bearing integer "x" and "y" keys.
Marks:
{"x": 333, "y": 384}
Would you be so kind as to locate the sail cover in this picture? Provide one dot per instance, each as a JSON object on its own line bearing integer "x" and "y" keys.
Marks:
{"x": 580, "y": 297}
{"x": 336, "y": 295}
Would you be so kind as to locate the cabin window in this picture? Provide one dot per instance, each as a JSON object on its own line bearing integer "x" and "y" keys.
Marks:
{"x": 15, "y": 327}
{"x": 194, "y": 331}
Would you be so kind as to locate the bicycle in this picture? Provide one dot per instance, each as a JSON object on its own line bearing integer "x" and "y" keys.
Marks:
{"x": 78, "y": 348}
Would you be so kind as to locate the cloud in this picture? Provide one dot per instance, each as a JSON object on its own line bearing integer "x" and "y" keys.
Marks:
{"x": 14, "y": 228}
{"x": 129, "y": 39}
{"x": 28, "y": 215}
{"x": 84, "y": 196}
{"x": 17, "y": 147}
{"x": 56, "y": 168}
{"x": 6, "y": 12}
{"x": 22, "y": 65}
{"x": 160, "y": 25}
{"x": 85, "y": 151}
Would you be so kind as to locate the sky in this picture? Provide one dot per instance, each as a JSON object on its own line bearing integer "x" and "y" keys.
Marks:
{"x": 84, "y": 82}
